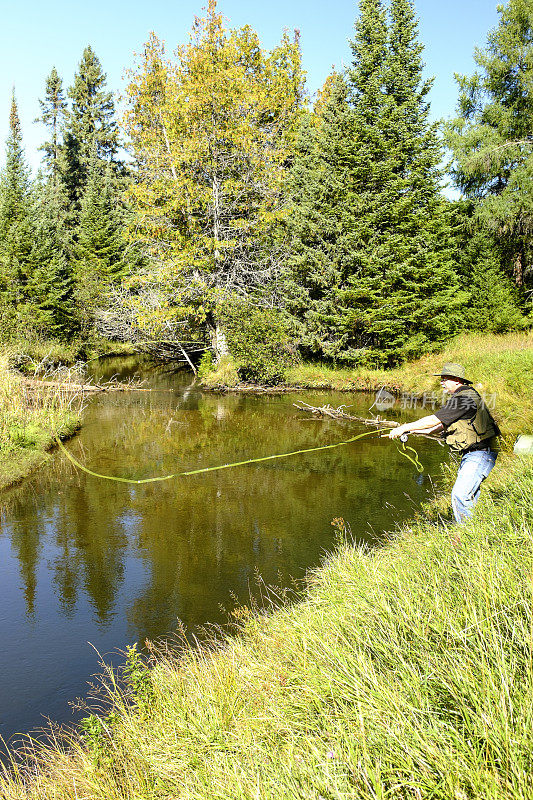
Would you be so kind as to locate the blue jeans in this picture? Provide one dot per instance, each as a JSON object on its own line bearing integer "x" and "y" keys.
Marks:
{"x": 474, "y": 468}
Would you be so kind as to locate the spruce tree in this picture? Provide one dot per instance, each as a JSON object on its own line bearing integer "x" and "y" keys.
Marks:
{"x": 318, "y": 231}
{"x": 90, "y": 127}
{"x": 371, "y": 244}
{"x": 492, "y": 141}
{"x": 100, "y": 245}
{"x": 494, "y": 302}
{"x": 404, "y": 295}
{"x": 50, "y": 283}
{"x": 53, "y": 109}
{"x": 16, "y": 233}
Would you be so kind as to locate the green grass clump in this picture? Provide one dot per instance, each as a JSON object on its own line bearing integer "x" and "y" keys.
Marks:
{"x": 223, "y": 374}
{"x": 29, "y": 420}
{"x": 406, "y": 672}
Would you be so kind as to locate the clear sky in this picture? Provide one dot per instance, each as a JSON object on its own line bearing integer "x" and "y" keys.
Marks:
{"x": 38, "y": 35}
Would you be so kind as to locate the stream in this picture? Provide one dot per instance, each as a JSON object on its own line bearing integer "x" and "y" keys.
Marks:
{"x": 88, "y": 567}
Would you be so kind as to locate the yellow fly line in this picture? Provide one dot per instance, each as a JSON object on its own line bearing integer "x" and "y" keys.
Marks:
{"x": 415, "y": 461}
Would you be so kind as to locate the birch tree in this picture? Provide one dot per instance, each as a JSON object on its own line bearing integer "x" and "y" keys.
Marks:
{"x": 211, "y": 131}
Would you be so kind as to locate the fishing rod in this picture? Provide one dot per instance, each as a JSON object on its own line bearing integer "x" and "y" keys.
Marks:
{"x": 413, "y": 459}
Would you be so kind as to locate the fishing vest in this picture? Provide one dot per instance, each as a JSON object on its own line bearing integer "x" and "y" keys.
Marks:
{"x": 465, "y": 433}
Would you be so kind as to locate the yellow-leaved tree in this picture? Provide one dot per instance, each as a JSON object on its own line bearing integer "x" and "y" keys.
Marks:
{"x": 211, "y": 131}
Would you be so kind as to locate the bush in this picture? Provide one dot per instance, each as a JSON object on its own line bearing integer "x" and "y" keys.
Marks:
{"x": 206, "y": 365}
{"x": 261, "y": 342}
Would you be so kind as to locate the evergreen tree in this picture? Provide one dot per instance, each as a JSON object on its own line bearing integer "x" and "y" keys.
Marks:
{"x": 52, "y": 116}
{"x": 406, "y": 294}
{"x": 15, "y": 221}
{"x": 50, "y": 284}
{"x": 493, "y": 304}
{"x": 100, "y": 246}
{"x": 90, "y": 127}
{"x": 319, "y": 232}
{"x": 492, "y": 140}
{"x": 367, "y": 205}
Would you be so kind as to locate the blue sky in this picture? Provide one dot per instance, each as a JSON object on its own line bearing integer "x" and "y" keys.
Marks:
{"x": 37, "y": 36}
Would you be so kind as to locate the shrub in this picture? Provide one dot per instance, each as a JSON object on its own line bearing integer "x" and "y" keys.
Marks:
{"x": 261, "y": 342}
{"x": 206, "y": 365}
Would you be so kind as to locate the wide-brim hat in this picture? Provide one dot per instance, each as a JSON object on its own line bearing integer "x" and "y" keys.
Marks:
{"x": 452, "y": 371}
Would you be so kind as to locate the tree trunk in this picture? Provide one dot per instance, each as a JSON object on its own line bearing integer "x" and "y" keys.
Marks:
{"x": 218, "y": 337}
{"x": 216, "y": 217}
{"x": 518, "y": 270}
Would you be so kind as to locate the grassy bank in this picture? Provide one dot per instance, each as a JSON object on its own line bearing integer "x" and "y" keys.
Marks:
{"x": 499, "y": 365}
{"x": 406, "y": 672}
{"x": 33, "y": 357}
{"x": 28, "y": 421}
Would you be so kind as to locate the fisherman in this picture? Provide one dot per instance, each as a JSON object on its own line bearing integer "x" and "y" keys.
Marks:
{"x": 469, "y": 429}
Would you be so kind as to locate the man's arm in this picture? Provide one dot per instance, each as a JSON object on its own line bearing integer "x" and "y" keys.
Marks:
{"x": 428, "y": 424}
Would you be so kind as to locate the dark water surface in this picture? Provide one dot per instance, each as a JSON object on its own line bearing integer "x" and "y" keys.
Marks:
{"x": 88, "y": 565}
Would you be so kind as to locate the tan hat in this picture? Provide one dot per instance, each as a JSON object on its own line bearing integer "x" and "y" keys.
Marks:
{"x": 452, "y": 371}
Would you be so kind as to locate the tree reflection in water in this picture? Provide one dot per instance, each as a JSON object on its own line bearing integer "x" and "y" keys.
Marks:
{"x": 111, "y": 563}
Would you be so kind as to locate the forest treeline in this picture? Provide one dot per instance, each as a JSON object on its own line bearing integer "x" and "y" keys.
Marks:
{"x": 225, "y": 211}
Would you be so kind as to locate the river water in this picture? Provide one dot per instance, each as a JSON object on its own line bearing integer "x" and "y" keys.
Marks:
{"x": 88, "y": 566}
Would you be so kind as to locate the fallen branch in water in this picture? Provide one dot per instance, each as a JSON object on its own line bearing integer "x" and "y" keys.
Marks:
{"x": 88, "y": 388}
{"x": 339, "y": 413}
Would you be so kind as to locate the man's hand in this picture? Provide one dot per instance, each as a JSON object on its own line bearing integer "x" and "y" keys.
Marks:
{"x": 395, "y": 433}
{"x": 428, "y": 424}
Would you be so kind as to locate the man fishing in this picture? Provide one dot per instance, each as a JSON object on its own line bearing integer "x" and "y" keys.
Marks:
{"x": 469, "y": 429}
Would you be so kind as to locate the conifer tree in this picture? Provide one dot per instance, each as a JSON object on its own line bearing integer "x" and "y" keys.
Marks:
{"x": 406, "y": 293}
{"x": 15, "y": 220}
{"x": 318, "y": 222}
{"x": 390, "y": 288}
{"x": 492, "y": 139}
{"x": 50, "y": 284}
{"x": 100, "y": 245}
{"x": 90, "y": 126}
{"x": 53, "y": 109}
{"x": 494, "y": 302}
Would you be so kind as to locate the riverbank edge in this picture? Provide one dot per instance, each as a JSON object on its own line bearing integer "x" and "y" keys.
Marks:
{"x": 194, "y": 719}
{"x": 414, "y": 379}
{"x": 24, "y": 461}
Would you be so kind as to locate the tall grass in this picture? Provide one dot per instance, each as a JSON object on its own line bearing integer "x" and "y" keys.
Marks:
{"x": 498, "y": 365}
{"x": 30, "y": 418}
{"x": 402, "y": 673}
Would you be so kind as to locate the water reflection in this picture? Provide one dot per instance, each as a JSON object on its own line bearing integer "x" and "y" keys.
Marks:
{"x": 85, "y": 560}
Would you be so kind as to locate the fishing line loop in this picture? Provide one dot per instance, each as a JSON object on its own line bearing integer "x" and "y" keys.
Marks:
{"x": 160, "y": 478}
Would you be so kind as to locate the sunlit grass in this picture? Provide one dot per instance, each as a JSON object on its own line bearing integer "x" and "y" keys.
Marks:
{"x": 29, "y": 419}
{"x": 401, "y": 673}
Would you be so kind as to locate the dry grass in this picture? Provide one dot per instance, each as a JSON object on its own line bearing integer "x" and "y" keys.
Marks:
{"x": 29, "y": 419}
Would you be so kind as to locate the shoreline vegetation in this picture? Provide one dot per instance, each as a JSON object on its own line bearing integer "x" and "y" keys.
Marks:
{"x": 500, "y": 366}
{"x": 29, "y": 421}
{"x": 32, "y": 416}
{"x": 405, "y": 671}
